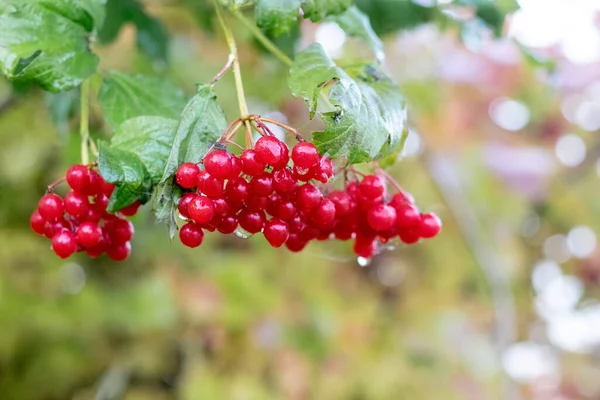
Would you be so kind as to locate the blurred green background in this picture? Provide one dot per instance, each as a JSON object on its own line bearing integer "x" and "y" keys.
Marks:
{"x": 502, "y": 305}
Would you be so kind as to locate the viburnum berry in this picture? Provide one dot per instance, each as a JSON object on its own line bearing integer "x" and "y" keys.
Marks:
{"x": 191, "y": 235}
{"x": 236, "y": 167}
{"x": 221, "y": 206}
{"x": 285, "y": 210}
{"x": 276, "y": 232}
{"x": 119, "y": 230}
{"x": 213, "y": 186}
{"x": 283, "y": 181}
{"x": 201, "y": 209}
{"x": 323, "y": 214}
{"x": 262, "y": 185}
{"x": 50, "y": 207}
{"x": 64, "y": 243}
{"x": 302, "y": 174}
{"x": 308, "y": 197}
{"x": 237, "y": 189}
{"x": 409, "y": 236}
{"x": 342, "y": 202}
{"x": 187, "y": 175}
{"x": 294, "y": 243}
{"x": 257, "y": 203}
{"x": 365, "y": 246}
{"x": 95, "y": 184}
{"x": 37, "y": 222}
{"x": 218, "y": 164}
{"x": 381, "y": 217}
{"x": 251, "y": 221}
{"x": 305, "y": 155}
{"x": 407, "y": 216}
{"x": 119, "y": 252}
{"x": 371, "y": 187}
{"x": 131, "y": 209}
{"x": 182, "y": 205}
{"x": 272, "y": 151}
{"x": 251, "y": 164}
{"x": 78, "y": 177}
{"x": 323, "y": 171}
{"x": 76, "y": 204}
{"x": 89, "y": 234}
{"x": 430, "y": 225}
{"x": 227, "y": 224}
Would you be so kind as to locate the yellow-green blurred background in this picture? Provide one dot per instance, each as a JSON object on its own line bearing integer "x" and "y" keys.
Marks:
{"x": 502, "y": 305}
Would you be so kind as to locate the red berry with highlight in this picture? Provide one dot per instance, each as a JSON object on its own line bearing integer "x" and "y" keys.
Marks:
{"x": 251, "y": 164}
{"x": 64, "y": 243}
{"x": 276, "y": 232}
{"x": 283, "y": 181}
{"x": 78, "y": 177}
{"x": 51, "y": 207}
{"x": 131, "y": 209}
{"x": 252, "y": 221}
{"x": 430, "y": 225}
{"x": 308, "y": 197}
{"x": 305, "y": 155}
{"x": 294, "y": 243}
{"x": 371, "y": 187}
{"x": 218, "y": 163}
{"x": 37, "y": 222}
{"x": 187, "y": 175}
{"x": 262, "y": 185}
{"x": 227, "y": 224}
{"x": 237, "y": 190}
{"x": 119, "y": 252}
{"x": 201, "y": 209}
{"x": 76, "y": 204}
{"x": 191, "y": 235}
{"x": 183, "y": 204}
{"x": 407, "y": 216}
{"x": 381, "y": 217}
{"x": 323, "y": 214}
{"x": 89, "y": 234}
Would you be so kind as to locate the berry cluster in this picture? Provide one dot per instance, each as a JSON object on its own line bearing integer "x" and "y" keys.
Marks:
{"x": 80, "y": 222}
{"x": 258, "y": 191}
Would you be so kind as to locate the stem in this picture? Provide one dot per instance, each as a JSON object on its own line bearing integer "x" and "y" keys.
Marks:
{"x": 84, "y": 128}
{"x": 263, "y": 39}
{"x": 225, "y": 68}
{"x": 51, "y": 186}
{"x": 239, "y": 86}
{"x": 284, "y": 126}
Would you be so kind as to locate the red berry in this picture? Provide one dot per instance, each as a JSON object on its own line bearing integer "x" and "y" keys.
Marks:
{"x": 221, "y": 206}
{"x": 191, "y": 235}
{"x": 119, "y": 230}
{"x": 101, "y": 201}
{"x": 294, "y": 243}
{"x": 342, "y": 201}
{"x": 273, "y": 203}
{"x": 94, "y": 252}
{"x": 276, "y": 232}
{"x": 78, "y": 177}
{"x": 218, "y": 163}
{"x": 251, "y": 221}
{"x": 95, "y": 185}
{"x": 302, "y": 174}
{"x": 407, "y": 216}
{"x": 50, "y": 207}
{"x": 64, "y": 243}
{"x": 305, "y": 155}
{"x": 283, "y": 181}
{"x": 187, "y": 175}
{"x": 37, "y": 222}
{"x": 201, "y": 209}
{"x": 398, "y": 200}
{"x": 365, "y": 204}
{"x": 251, "y": 165}
{"x": 409, "y": 236}
{"x": 131, "y": 209}
{"x": 430, "y": 225}
{"x": 183, "y": 204}
{"x": 95, "y": 212}
{"x": 323, "y": 214}
{"x": 213, "y": 186}
{"x": 257, "y": 203}
{"x": 322, "y": 171}
{"x": 119, "y": 252}
{"x": 365, "y": 246}
{"x": 371, "y": 187}
{"x": 227, "y": 224}
{"x": 237, "y": 190}
{"x": 89, "y": 234}
{"x": 381, "y": 217}
{"x": 262, "y": 185}
{"x": 270, "y": 151}
{"x": 76, "y": 204}
{"x": 308, "y": 197}
{"x": 352, "y": 189}
{"x": 106, "y": 188}
{"x": 285, "y": 210}
{"x": 236, "y": 167}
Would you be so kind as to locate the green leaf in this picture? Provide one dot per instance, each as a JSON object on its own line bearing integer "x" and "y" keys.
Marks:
{"x": 41, "y": 44}
{"x": 355, "y": 23}
{"x": 387, "y": 16}
{"x": 62, "y": 106}
{"x": 234, "y": 4}
{"x": 135, "y": 158}
{"x": 277, "y": 16}
{"x": 369, "y": 114}
{"x": 317, "y": 10}
{"x": 202, "y": 123}
{"x": 127, "y": 96}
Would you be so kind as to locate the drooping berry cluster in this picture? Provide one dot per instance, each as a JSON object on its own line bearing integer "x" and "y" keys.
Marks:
{"x": 80, "y": 222}
{"x": 258, "y": 191}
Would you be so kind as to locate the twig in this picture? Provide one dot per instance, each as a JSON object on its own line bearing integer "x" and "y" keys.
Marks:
{"x": 225, "y": 68}
{"x": 84, "y": 128}
{"x": 282, "y": 125}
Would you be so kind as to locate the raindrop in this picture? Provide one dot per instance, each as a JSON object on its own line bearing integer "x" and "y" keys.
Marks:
{"x": 570, "y": 150}
{"x": 363, "y": 262}
{"x": 242, "y": 233}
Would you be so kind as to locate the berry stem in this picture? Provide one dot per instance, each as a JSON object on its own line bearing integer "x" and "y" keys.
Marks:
{"x": 51, "y": 186}
{"x": 84, "y": 128}
{"x": 284, "y": 126}
{"x": 239, "y": 86}
{"x": 225, "y": 68}
{"x": 388, "y": 177}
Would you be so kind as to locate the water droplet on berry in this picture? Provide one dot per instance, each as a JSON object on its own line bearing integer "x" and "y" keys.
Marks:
{"x": 363, "y": 262}
{"x": 242, "y": 233}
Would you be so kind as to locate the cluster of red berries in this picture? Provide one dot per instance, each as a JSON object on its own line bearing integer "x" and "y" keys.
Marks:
{"x": 258, "y": 192}
{"x": 80, "y": 222}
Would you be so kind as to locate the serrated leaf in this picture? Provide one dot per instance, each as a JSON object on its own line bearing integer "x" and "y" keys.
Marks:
{"x": 135, "y": 158}
{"x": 355, "y": 23}
{"x": 40, "y": 43}
{"x": 277, "y": 16}
{"x": 370, "y": 111}
{"x": 165, "y": 199}
{"x": 127, "y": 96}
{"x": 317, "y": 10}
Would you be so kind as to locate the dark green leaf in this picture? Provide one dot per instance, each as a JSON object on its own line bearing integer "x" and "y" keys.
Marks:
{"x": 357, "y": 24}
{"x": 136, "y": 158}
{"x": 42, "y": 44}
{"x": 387, "y": 16}
{"x": 164, "y": 206}
{"x": 316, "y": 10}
{"x": 370, "y": 112}
{"x": 277, "y": 16}
{"x": 127, "y": 96}
{"x": 234, "y": 4}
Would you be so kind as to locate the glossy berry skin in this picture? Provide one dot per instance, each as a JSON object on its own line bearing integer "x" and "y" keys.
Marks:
{"x": 269, "y": 150}
{"x": 37, "y": 222}
{"x": 218, "y": 164}
{"x": 285, "y": 210}
{"x": 187, "y": 175}
{"x": 64, "y": 243}
{"x": 409, "y": 236}
{"x": 95, "y": 184}
{"x": 183, "y": 204}
{"x": 305, "y": 155}
{"x": 76, "y": 204}
{"x": 78, "y": 178}
{"x": 276, "y": 232}
{"x": 50, "y": 207}
{"x": 131, "y": 209}
{"x": 308, "y": 197}
{"x": 323, "y": 214}
{"x": 257, "y": 203}
{"x": 89, "y": 234}
{"x": 251, "y": 221}
{"x": 236, "y": 167}
{"x": 302, "y": 174}
{"x": 323, "y": 171}
{"x": 191, "y": 235}
{"x": 262, "y": 185}
{"x": 371, "y": 187}
{"x": 430, "y": 225}
{"x": 119, "y": 252}
{"x": 227, "y": 224}
{"x": 294, "y": 243}
{"x": 407, "y": 216}
{"x": 201, "y": 209}
{"x": 283, "y": 181}
{"x": 381, "y": 217}
{"x": 365, "y": 246}
{"x": 221, "y": 206}
{"x": 342, "y": 202}
{"x": 119, "y": 230}
{"x": 237, "y": 190}
{"x": 213, "y": 186}
{"x": 251, "y": 165}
